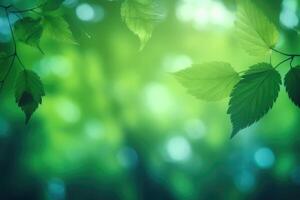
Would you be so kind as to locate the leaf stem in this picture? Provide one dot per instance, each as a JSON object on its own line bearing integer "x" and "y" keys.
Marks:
{"x": 11, "y": 30}
{"x": 20, "y": 61}
{"x": 10, "y": 9}
{"x": 25, "y": 10}
{"x": 285, "y": 54}
{"x": 14, "y": 55}
{"x": 289, "y": 58}
{"x": 7, "y": 73}
{"x": 291, "y": 63}
{"x": 14, "y": 39}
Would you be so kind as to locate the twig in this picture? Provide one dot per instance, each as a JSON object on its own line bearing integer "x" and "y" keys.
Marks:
{"x": 2, "y": 82}
{"x": 25, "y": 10}
{"x": 13, "y": 55}
{"x": 285, "y": 54}
{"x": 289, "y": 58}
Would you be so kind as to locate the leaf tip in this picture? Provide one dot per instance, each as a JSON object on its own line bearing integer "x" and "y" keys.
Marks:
{"x": 234, "y": 133}
{"x": 27, "y": 118}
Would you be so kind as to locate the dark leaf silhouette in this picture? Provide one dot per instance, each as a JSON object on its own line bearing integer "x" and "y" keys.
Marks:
{"x": 29, "y": 91}
{"x": 253, "y": 96}
{"x": 292, "y": 84}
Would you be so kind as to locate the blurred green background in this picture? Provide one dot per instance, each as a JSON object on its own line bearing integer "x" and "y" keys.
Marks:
{"x": 115, "y": 123}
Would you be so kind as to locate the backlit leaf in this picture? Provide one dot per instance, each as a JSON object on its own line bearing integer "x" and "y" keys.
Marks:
{"x": 8, "y": 73}
{"x": 210, "y": 81}
{"x": 141, "y": 16}
{"x": 256, "y": 32}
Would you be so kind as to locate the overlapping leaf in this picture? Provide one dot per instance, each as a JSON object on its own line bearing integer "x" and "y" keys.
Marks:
{"x": 29, "y": 91}
{"x": 256, "y": 32}
{"x": 51, "y": 5}
{"x": 210, "y": 81}
{"x": 29, "y": 31}
{"x": 253, "y": 96}
{"x": 292, "y": 84}
{"x": 141, "y": 16}
{"x": 57, "y": 28}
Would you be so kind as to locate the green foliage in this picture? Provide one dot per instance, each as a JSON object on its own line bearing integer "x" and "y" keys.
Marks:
{"x": 256, "y": 32}
{"x": 8, "y": 73}
{"x": 253, "y": 96}
{"x": 57, "y": 28}
{"x": 32, "y": 25}
{"x": 4, "y": 63}
{"x": 211, "y": 81}
{"x": 52, "y": 5}
{"x": 29, "y": 31}
{"x": 291, "y": 82}
{"x": 141, "y": 16}
{"x": 29, "y": 91}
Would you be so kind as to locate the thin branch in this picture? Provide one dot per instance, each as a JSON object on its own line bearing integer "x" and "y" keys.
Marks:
{"x": 15, "y": 50}
{"x": 20, "y": 61}
{"x": 18, "y": 11}
{"x": 14, "y": 55}
{"x": 285, "y": 60}
{"x": 11, "y": 30}
{"x": 285, "y": 54}
{"x": 13, "y": 38}
{"x": 291, "y": 58}
{"x": 7, "y": 73}
{"x": 291, "y": 63}
{"x": 25, "y": 10}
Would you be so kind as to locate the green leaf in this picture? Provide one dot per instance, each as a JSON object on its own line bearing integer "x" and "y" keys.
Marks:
{"x": 58, "y": 29}
{"x": 29, "y": 91}
{"x": 141, "y": 17}
{"x": 253, "y": 96}
{"x": 292, "y": 84}
{"x": 51, "y": 5}
{"x": 256, "y": 32}
{"x": 29, "y": 31}
{"x": 210, "y": 81}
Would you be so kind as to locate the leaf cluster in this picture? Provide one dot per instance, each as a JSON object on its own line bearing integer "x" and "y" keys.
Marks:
{"x": 141, "y": 17}
{"x": 31, "y": 25}
{"x": 252, "y": 92}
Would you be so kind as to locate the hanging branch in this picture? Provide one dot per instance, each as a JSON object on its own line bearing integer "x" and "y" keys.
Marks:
{"x": 15, "y": 56}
